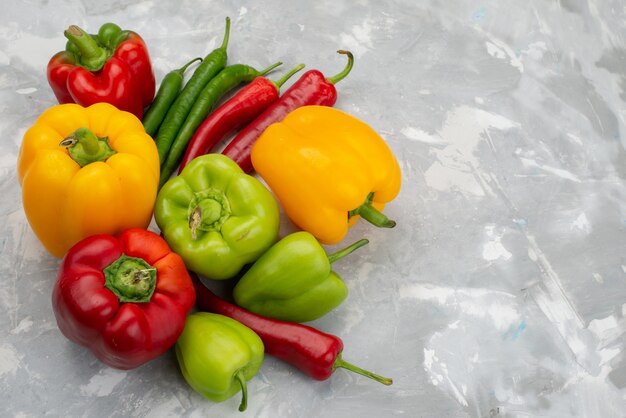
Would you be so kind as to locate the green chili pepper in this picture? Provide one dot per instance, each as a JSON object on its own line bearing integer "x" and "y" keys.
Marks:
{"x": 293, "y": 280}
{"x": 177, "y": 113}
{"x": 227, "y": 79}
{"x": 168, "y": 90}
{"x": 217, "y": 355}
{"x": 216, "y": 217}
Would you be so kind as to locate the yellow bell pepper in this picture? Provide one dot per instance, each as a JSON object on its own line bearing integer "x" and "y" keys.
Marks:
{"x": 85, "y": 171}
{"x": 327, "y": 168}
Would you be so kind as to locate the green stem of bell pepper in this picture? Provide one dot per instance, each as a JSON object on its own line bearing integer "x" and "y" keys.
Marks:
{"x": 92, "y": 55}
{"x": 244, "y": 390}
{"x": 85, "y": 147}
{"x": 208, "y": 210}
{"x": 131, "y": 279}
{"x": 345, "y": 251}
{"x": 371, "y": 214}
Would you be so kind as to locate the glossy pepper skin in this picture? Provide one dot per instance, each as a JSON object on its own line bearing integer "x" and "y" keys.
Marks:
{"x": 315, "y": 353}
{"x": 217, "y": 217}
{"x": 236, "y": 112}
{"x": 293, "y": 280}
{"x": 86, "y": 171}
{"x": 112, "y": 66}
{"x": 125, "y": 297}
{"x": 348, "y": 169}
{"x": 217, "y": 355}
{"x": 312, "y": 88}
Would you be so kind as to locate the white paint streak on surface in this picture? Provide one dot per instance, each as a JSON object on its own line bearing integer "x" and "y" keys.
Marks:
{"x": 27, "y": 90}
{"x": 103, "y": 383}
{"x": 456, "y": 167}
{"x": 38, "y": 49}
{"x": 499, "y": 49}
{"x": 24, "y": 326}
{"x": 554, "y": 303}
{"x": 536, "y": 50}
{"x": 493, "y": 248}
{"x": 575, "y": 139}
{"x": 528, "y": 163}
{"x": 10, "y": 361}
{"x": 359, "y": 40}
{"x": 481, "y": 303}
{"x": 418, "y": 135}
{"x": 581, "y": 223}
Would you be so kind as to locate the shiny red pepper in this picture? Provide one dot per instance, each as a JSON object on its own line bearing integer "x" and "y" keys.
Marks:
{"x": 239, "y": 110}
{"x": 314, "y": 352}
{"x": 126, "y": 298}
{"x": 312, "y": 88}
{"x": 112, "y": 66}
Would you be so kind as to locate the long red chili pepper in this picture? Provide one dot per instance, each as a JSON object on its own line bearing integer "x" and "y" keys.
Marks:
{"x": 239, "y": 110}
{"x": 312, "y": 88}
{"x": 314, "y": 352}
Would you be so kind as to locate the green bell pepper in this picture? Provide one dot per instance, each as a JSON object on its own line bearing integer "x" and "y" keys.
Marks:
{"x": 293, "y": 280}
{"x": 217, "y": 217}
{"x": 218, "y": 355}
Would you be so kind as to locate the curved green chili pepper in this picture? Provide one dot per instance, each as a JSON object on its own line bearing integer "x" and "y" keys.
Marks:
{"x": 226, "y": 80}
{"x": 176, "y": 115}
{"x": 168, "y": 90}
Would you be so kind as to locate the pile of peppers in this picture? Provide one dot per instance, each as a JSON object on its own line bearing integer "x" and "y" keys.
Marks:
{"x": 96, "y": 168}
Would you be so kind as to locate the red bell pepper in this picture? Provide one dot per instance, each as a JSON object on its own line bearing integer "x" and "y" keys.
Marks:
{"x": 126, "y": 298}
{"x": 112, "y": 66}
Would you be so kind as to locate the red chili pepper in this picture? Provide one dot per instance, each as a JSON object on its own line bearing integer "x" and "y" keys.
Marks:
{"x": 112, "y": 66}
{"x": 126, "y": 298}
{"x": 312, "y": 88}
{"x": 239, "y": 110}
{"x": 314, "y": 352}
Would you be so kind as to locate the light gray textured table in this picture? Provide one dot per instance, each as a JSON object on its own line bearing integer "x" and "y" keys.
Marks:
{"x": 502, "y": 290}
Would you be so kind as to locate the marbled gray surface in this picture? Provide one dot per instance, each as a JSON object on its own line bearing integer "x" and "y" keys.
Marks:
{"x": 502, "y": 290}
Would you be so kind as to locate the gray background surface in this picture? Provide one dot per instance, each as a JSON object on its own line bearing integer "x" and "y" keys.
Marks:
{"x": 502, "y": 290}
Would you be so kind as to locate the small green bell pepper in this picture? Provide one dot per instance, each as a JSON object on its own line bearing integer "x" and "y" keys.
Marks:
{"x": 217, "y": 217}
{"x": 293, "y": 280}
{"x": 218, "y": 355}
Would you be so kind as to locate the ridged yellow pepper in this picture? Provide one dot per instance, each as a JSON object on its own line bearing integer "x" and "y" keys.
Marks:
{"x": 86, "y": 171}
{"x": 327, "y": 168}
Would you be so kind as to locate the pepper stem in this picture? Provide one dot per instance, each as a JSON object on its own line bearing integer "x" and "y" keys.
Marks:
{"x": 270, "y": 68}
{"x": 194, "y": 222}
{"x": 281, "y": 81}
{"x": 132, "y": 279}
{"x": 207, "y": 211}
{"x": 226, "y": 34}
{"x": 344, "y": 252}
{"x": 92, "y": 55}
{"x": 340, "y": 76}
{"x": 182, "y": 69}
{"x": 339, "y": 362}
{"x": 371, "y": 214}
{"x": 85, "y": 147}
{"x": 244, "y": 390}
